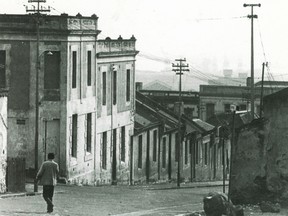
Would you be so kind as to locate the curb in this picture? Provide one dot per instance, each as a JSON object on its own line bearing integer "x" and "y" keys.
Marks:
{"x": 185, "y": 186}
{"x": 5, "y": 196}
{"x": 20, "y": 194}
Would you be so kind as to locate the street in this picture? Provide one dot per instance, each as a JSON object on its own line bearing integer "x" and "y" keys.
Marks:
{"x": 110, "y": 200}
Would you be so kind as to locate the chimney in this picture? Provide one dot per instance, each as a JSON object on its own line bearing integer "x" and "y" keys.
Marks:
{"x": 139, "y": 86}
{"x": 227, "y": 73}
{"x": 248, "y": 81}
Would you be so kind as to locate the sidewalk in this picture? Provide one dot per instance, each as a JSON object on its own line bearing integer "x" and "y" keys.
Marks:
{"x": 169, "y": 186}
{"x": 29, "y": 187}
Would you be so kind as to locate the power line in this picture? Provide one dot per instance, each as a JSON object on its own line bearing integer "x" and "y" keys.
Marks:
{"x": 220, "y": 18}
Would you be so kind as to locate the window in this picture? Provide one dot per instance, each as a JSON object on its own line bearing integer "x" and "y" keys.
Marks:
{"x": 242, "y": 107}
{"x": 210, "y": 110}
{"x": 176, "y": 147}
{"x": 74, "y": 69}
{"x": 104, "y": 150}
{"x": 88, "y": 132}
{"x": 104, "y": 88}
{"x": 123, "y": 144}
{"x": 114, "y": 87}
{"x": 89, "y": 67}
{"x": 227, "y": 108}
{"x": 2, "y": 68}
{"x": 197, "y": 153}
{"x": 128, "y": 85}
{"x": 206, "y": 153}
{"x": 186, "y": 152}
{"x": 164, "y": 153}
{"x": 52, "y": 70}
{"x": 154, "y": 145}
{"x": 74, "y": 135}
{"x": 140, "y": 151}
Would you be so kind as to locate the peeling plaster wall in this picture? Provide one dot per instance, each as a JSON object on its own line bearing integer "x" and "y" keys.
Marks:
{"x": 3, "y": 143}
{"x": 277, "y": 151}
{"x": 248, "y": 165}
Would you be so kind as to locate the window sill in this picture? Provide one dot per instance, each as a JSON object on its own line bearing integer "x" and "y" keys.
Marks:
{"x": 88, "y": 156}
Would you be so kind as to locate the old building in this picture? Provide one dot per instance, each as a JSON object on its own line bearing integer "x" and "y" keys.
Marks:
{"x": 3, "y": 138}
{"x": 115, "y": 108}
{"x": 156, "y": 146}
{"x": 77, "y": 108}
{"x": 216, "y": 99}
{"x": 167, "y": 97}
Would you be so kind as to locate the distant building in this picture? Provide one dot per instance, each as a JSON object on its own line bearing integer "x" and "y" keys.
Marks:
{"x": 216, "y": 99}
{"x": 168, "y": 98}
{"x": 229, "y": 80}
{"x": 157, "y": 85}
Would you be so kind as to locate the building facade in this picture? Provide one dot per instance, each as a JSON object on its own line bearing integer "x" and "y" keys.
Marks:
{"x": 115, "y": 108}
{"x": 72, "y": 115}
{"x": 156, "y": 146}
{"x": 168, "y": 98}
{"x": 215, "y": 99}
{"x": 3, "y": 139}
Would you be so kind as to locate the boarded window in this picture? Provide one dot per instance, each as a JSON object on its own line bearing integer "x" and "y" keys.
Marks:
{"x": 2, "y": 68}
{"x": 104, "y": 88}
{"x": 164, "y": 152}
{"x": 89, "y": 67}
{"x": 123, "y": 149}
{"x": 154, "y": 145}
{"x": 128, "y": 85}
{"x": 89, "y": 132}
{"x": 114, "y": 87}
{"x": 51, "y": 70}
{"x": 74, "y": 135}
{"x": 74, "y": 69}
{"x": 104, "y": 150}
{"x": 140, "y": 151}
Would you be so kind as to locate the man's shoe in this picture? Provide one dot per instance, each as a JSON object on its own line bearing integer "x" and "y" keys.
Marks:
{"x": 50, "y": 209}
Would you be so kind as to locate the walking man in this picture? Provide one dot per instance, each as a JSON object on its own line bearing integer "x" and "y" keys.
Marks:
{"x": 47, "y": 175}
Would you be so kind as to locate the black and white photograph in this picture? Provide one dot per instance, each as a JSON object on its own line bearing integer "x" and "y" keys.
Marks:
{"x": 143, "y": 108}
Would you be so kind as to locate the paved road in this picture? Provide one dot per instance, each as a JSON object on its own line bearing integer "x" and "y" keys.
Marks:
{"x": 110, "y": 200}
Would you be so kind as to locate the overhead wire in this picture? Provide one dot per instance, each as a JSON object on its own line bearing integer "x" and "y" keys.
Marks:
{"x": 269, "y": 74}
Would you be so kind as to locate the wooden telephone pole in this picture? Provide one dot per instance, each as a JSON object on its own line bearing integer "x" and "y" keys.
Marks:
{"x": 252, "y": 16}
{"x": 179, "y": 68}
{"x": 37, "y": 11}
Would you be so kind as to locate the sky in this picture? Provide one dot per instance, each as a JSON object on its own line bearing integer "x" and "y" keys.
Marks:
{"x": 211, "y": 35}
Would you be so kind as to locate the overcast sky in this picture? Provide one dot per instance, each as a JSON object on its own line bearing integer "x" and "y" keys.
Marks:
{"x": 212, "y": 35}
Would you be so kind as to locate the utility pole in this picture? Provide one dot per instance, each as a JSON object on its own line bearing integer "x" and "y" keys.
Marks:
{"x": 179, "y": 68}
{"x": 262, "y": 85}
{"x": 252, "y": 16}
{"x": 231, "y": 153}
{"x": 37, "y": 11}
